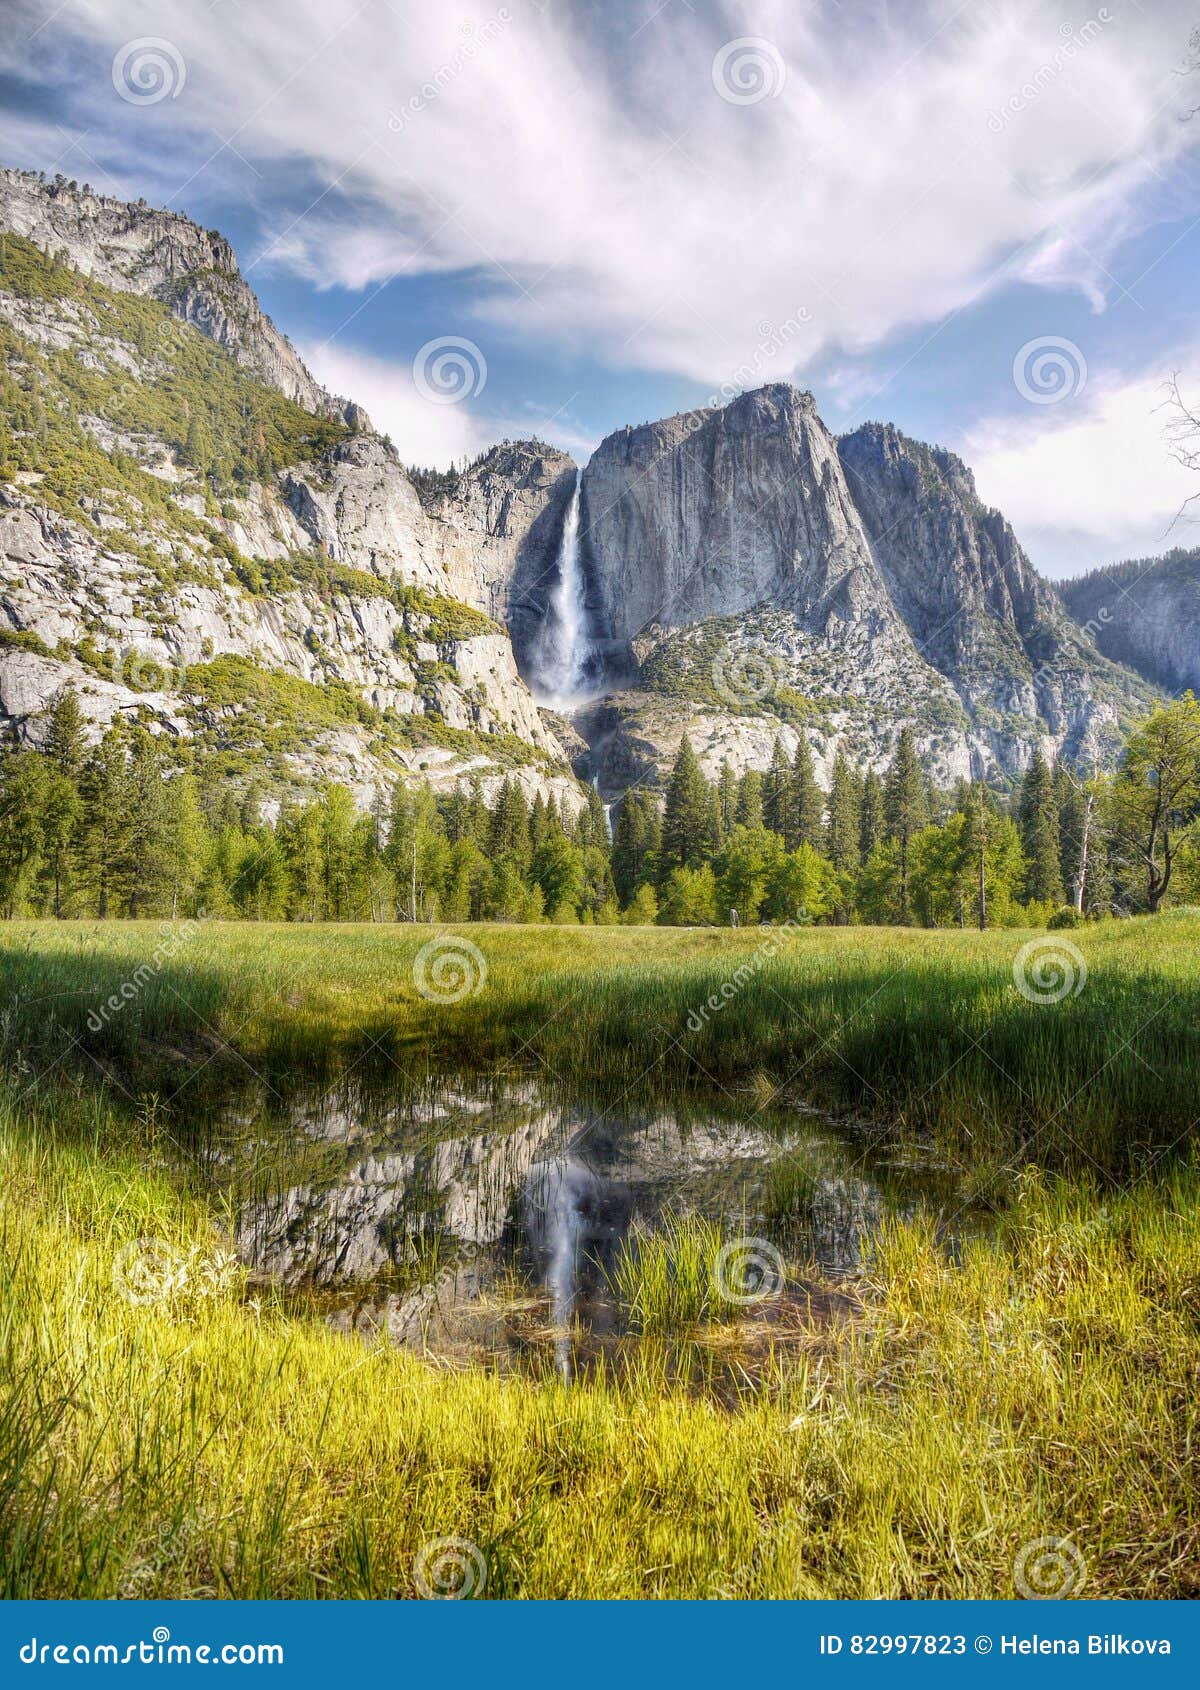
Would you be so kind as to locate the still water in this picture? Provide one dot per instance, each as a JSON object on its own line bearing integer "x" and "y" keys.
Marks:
{"x": 471, "y": 1217}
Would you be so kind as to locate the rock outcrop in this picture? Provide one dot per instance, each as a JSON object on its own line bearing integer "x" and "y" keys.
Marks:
{"x": 746, "y": 574}
{"x": 353, "y": 618}
{"x": 496, "y": 531}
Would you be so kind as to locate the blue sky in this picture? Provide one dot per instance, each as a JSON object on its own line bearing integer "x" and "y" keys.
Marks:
{"x": 980, "y": 221}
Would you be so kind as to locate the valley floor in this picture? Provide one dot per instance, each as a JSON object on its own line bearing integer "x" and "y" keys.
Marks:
{"x": 1039, "y": 1385}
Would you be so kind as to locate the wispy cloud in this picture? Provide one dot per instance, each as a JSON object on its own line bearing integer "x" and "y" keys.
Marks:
{"x": 422, "y": 433}
{"x": 601, "y": 181}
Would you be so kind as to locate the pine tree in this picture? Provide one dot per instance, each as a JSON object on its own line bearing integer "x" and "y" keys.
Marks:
{"x": 845, "y": 815}
{"x": 539, "y": 824}
{"x": 62, "y": 810}
{"x": 906, "y": 812}
{"x": 593, "y": 822}
{"x": 749, "y": 811}
{"x": 806, "y": 811}
{"x": 198, "y": 445}
{"x": 22, "y": 797}
{"x": 185, "y": 845}
{"x": 66, "y": 740}
{"x": 1038, "y": 816}
{"x": 635, "y": 843}
{"x": 107, "y": 824}
{"x": 871, "y": 828}
{"x": 726, "y": 799}
{"x": 689, "y": 816}
{"x": 777, "y": 792}
{"x": 509, "y": 832}
{"x": 142, "y": 869}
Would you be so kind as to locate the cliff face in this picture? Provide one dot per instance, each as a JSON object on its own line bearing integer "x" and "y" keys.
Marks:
{"x": 180, "y": 494}
{"x": 1145, "y": 613}
{"x": 716, "y": 513}
{"x": 193, "y": 550}
{"x": 164, "y": 256}
{"x": 496, "y": 531}
{"x": 841, "y": 589}
{"x": 976, "y": 608}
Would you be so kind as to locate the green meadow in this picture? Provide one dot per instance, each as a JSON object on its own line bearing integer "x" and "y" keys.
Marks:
{"x": 1038, "y": 1382}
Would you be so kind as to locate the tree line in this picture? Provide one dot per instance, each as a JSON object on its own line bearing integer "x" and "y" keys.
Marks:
{"x": 134, "y": 825}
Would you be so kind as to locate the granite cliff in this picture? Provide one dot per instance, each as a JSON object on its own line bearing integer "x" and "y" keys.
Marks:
{"x": 771, "y": 578}
{"x": 194, "y": 534}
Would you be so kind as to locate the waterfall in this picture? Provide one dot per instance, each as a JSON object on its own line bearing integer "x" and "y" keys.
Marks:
{"x": 563, "y": 646}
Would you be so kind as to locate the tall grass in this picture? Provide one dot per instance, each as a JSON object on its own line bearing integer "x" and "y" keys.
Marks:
{"x": 923, "y": 1032}
{"x": 667, "y": 1279}
{"x": 1046, "y": 1386}
{"x": 1043, "y": 1383}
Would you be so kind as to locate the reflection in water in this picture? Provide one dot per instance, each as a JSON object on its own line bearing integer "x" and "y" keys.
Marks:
{"x": 463, "y": 1216}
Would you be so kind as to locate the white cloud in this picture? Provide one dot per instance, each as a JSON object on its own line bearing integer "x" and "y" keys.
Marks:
{"x": 603, "y": 195}
{"x": 1092, "y": 479}
{"x": 423, "y": 432}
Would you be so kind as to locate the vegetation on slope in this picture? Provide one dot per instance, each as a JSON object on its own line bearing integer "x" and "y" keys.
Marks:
{"x": 218, "y": 418}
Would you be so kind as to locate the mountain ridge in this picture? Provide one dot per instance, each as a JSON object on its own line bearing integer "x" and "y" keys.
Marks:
{"x": 136, "y": 248}
{"x": 747, "y": 574}
{"x": 868, "y": 569}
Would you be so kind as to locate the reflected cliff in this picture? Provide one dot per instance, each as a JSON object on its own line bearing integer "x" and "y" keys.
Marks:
{"x": 478, "y": 1216}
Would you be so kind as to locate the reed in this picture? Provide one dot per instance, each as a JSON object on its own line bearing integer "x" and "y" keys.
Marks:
{"x": 667, "y": 1279}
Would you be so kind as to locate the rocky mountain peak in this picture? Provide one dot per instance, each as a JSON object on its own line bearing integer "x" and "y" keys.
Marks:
{"x": 739, "y": 573}
{"x": 135, "y": 248}
{"x": 927, "y": 471}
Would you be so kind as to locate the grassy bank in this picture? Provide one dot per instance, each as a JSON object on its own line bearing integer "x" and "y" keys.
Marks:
{"x": 210, "y": 1441}
{"x": 1044, "y": 1388}
{"x": 924, "y": 1032}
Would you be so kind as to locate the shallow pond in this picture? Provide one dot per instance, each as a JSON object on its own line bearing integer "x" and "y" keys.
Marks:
{"x": 471, "y": 1217}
